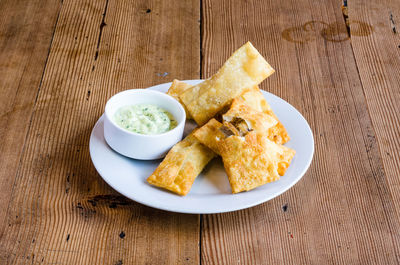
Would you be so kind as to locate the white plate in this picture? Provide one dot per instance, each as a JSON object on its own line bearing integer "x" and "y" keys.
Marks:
{"x": 210, "y": 192}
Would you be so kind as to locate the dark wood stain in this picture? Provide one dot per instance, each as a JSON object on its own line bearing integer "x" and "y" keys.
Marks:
{"x": 332, "y": 32}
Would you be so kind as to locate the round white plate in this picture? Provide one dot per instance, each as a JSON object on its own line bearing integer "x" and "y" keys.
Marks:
{"x": 210, "y": 192}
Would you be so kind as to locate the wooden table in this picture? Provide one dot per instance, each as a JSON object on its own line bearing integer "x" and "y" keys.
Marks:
{"x": 61, "y": 60}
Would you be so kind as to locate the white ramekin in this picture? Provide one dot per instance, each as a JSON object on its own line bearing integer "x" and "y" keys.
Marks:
{"x": 141, "y": 146}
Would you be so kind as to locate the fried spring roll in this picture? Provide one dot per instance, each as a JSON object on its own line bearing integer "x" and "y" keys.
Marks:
{"x": 254, "y": 98}
{"x": 181, "y": 166}
{"x": 245, "y": 68}
{"x": 176, "y": 89}
{"x": 251, "y": 160}
{"x": 246, "y": 118}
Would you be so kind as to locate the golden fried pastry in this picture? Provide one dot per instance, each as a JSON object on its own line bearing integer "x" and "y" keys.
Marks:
{"x": 245, "y": 68}
{"x": 249, "y": 137}
{"x": 254, "y": 98}
{"x": 246, "y": 119}
{"x": 251, "y": 160}
{"x": 251, "y": 97}
{"x": 210, "y": 134}
{"x": 181, "y": 166}
{"x": 176, "y": 89}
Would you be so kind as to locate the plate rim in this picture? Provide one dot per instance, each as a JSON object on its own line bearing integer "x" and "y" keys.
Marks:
{"x": 193, "y": 211}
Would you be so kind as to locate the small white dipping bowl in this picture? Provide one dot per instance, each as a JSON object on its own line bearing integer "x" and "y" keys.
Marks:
{"x": 141, "y": 146}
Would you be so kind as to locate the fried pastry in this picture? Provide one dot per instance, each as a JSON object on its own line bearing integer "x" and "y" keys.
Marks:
{"x": 181, "y": 166}
{"x": 254, "y": 98}
{"x": 244, "y": 118}
{"x": 251, "y": 97}
{"x": 176, "y": 89}
{"x": 251, "y": 160}
{"x": 211, "y": 134}
{"x": 245, "y": 68}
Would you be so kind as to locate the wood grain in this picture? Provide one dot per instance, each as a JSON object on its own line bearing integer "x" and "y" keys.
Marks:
{"x": 26, "y": 31}
{"x": 61, "y": 212}
{"x": 342, "y": 211}
{"x": 378, "y": 60}
{"x": 61, "y": 61}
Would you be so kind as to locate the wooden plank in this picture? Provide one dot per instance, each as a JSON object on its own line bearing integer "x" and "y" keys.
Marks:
{"x": 375, "y": 31}
{"x": 26, "y": 30}
{"x": 341, "y": 212}
{"x": 61, "y": 211}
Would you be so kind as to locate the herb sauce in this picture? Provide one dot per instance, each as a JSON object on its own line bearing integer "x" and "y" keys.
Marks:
{"x": 145, "y": 119}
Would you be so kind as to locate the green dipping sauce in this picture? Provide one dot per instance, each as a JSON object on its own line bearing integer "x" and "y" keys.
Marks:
{"x": 145, "y": 119}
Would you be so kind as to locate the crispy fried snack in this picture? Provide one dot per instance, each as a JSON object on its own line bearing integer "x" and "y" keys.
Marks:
{"x": 211, "y": 134}
{"x": 251, "y": 97}
{"x": 181, "y": 166}
{"x": 251, "y": 160}
{"x": 176, "y": 89}
{"x": 245, "y": 68}
{"x": 254, "y": 98}
{"x": 242, "y": 118}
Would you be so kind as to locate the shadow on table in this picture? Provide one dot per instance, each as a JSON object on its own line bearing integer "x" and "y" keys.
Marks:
{"x": 77, "y": 179}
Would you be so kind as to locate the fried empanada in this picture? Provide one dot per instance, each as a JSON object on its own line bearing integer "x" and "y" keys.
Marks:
{"x": 210, "y": 134}
{"x": 254, "y": 98}
{"x": 181, "y": 166}
{"x": 251, "y": 160}
{"x": 245, "y": 118}
{"x": 176, "y": 89}
{"x": 245, "y": 68}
